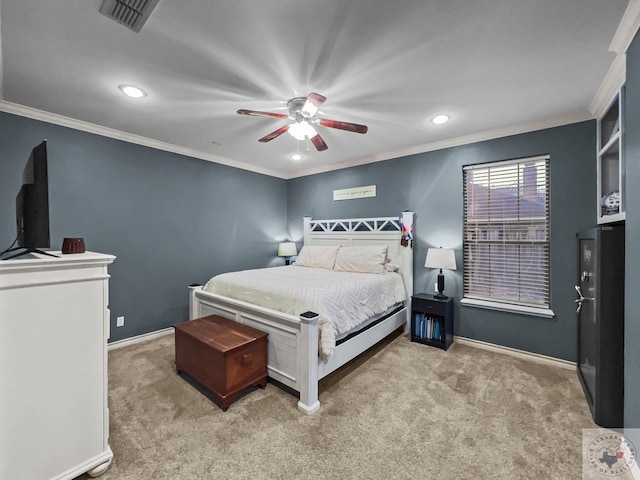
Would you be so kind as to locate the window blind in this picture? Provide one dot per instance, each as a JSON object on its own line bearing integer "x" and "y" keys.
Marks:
{"x": 506, "y": 232}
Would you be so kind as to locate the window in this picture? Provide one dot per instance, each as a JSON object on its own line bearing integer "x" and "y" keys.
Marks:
{"x": 506, "y": 234}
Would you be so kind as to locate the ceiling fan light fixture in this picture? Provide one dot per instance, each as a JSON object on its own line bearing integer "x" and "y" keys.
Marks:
{"x": 440, "y": 119}
{"x": 302, "y": 111}
{"x": 301, "y": 130}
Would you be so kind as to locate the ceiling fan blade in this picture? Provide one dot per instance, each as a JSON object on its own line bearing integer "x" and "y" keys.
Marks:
{"x": 318, "y": 142}
{"x": 351, "y": 127}
{"x": 311, "y": 106}
{"x": 257, "y": 113}
{"x": 274, "y": 134}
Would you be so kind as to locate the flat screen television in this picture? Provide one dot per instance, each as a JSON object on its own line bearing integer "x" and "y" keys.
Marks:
{"x": 32, "y": 206}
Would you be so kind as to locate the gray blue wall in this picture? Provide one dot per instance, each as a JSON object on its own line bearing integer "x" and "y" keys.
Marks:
{"x": 171, "y": 220}
{"x": 430, "y": 184}
{"x": 632, "y": 241}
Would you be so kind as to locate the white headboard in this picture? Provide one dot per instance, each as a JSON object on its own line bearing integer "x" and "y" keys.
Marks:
{"x": 368, "y": 231}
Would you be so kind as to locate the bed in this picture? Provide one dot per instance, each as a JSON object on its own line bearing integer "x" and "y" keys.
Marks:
{"x": 296, "y": 358}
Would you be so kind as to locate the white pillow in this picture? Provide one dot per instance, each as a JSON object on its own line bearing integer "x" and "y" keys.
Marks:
{"x": 361, "y": 259}
{"x": 317, "y": 256}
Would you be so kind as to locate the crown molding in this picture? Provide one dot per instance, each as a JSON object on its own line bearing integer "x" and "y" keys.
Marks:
{"x": 525, "y": 127}
{"x": 610, "y": 86}
{"x": 61, "y": 120}
{"x": 627, "y": 28}
{"x": 617, "y": 74}
{"x": 613, "y": 81}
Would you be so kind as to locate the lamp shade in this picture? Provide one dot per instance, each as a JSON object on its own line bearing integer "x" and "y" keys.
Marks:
{"x": 440, "y": 258}
{"x": 287, "y": 249}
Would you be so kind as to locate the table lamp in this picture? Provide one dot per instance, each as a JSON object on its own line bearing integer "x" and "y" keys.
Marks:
{"x": 287, "y": 250}
{"x": 440, "y": 258}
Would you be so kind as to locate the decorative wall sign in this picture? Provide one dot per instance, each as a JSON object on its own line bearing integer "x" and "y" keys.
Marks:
{"x": 355, "y": 192}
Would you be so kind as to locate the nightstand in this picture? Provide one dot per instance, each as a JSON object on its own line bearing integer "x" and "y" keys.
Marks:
{"x": 432, "y": 320}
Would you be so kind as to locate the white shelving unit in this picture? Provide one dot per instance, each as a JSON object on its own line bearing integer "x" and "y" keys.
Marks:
{"x": 610, "y": 167}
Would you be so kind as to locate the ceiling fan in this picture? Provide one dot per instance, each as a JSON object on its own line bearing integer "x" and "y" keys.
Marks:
{"x": 303, "y": 110}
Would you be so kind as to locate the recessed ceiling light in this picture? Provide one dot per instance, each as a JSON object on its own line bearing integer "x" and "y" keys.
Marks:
{"x": 440, "y": 119}
{"x": 296, "y": 156}
{"x": 131, "y": 91}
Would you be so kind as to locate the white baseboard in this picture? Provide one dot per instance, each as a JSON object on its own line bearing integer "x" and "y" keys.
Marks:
{"x": 535, "y": 357}
{"x": 145, "y": 337}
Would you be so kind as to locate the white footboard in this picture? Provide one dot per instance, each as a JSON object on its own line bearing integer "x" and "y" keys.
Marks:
{"x": 292, "y": 354}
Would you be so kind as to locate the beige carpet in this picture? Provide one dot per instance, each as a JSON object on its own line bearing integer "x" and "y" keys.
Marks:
{"x": 404, "y": 411}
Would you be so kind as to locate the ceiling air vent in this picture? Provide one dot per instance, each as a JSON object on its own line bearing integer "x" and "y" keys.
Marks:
{"x": 131, "y": 13}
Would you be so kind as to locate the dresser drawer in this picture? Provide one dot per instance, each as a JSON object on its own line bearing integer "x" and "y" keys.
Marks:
{"x": 430, "y": 307}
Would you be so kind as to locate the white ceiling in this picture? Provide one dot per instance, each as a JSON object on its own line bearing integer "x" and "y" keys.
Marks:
{"x": 391, "y": 65}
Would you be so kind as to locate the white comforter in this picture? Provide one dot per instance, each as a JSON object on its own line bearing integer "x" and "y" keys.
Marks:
{"x": 343, "y": 300}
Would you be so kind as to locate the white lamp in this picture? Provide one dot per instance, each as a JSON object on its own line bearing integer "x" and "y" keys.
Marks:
{"x": 440, "y": 258}
{"x": 287, "y": 249}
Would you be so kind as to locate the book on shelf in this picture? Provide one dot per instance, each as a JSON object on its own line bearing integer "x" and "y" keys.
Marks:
{"x": 417, "y": 324}
{"x": 426, "y": 327}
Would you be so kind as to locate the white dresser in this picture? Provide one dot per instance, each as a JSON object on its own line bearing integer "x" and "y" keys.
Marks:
{"x": 54, "y": 326}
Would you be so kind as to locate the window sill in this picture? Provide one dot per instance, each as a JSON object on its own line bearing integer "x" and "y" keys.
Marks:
{"x": 505, "y": 307}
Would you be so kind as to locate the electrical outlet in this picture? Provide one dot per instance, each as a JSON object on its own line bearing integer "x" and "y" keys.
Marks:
{"x": 120, "y": 322}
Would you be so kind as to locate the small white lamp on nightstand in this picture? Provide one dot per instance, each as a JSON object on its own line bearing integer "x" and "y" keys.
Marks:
{"x": 287, "y": 250}
{"x": 440, "y": 258}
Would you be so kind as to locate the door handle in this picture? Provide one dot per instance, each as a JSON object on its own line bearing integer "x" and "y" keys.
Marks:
{"x": 581, "y": 298}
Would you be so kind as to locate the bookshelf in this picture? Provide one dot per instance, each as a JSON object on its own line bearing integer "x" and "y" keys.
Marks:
{"x": 432, "y": 320}
{"x": 610, "y": 171}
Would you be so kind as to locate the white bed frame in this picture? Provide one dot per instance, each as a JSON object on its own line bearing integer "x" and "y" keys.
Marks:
{"x": 293, "y": 356}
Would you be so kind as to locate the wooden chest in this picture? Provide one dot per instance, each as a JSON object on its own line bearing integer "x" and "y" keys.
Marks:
{"x": 224, "y": 356}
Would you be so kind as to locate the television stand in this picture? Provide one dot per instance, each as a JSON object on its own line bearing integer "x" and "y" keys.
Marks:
{"x": 27, "y": 251}
{"x": 57, "y": 327}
